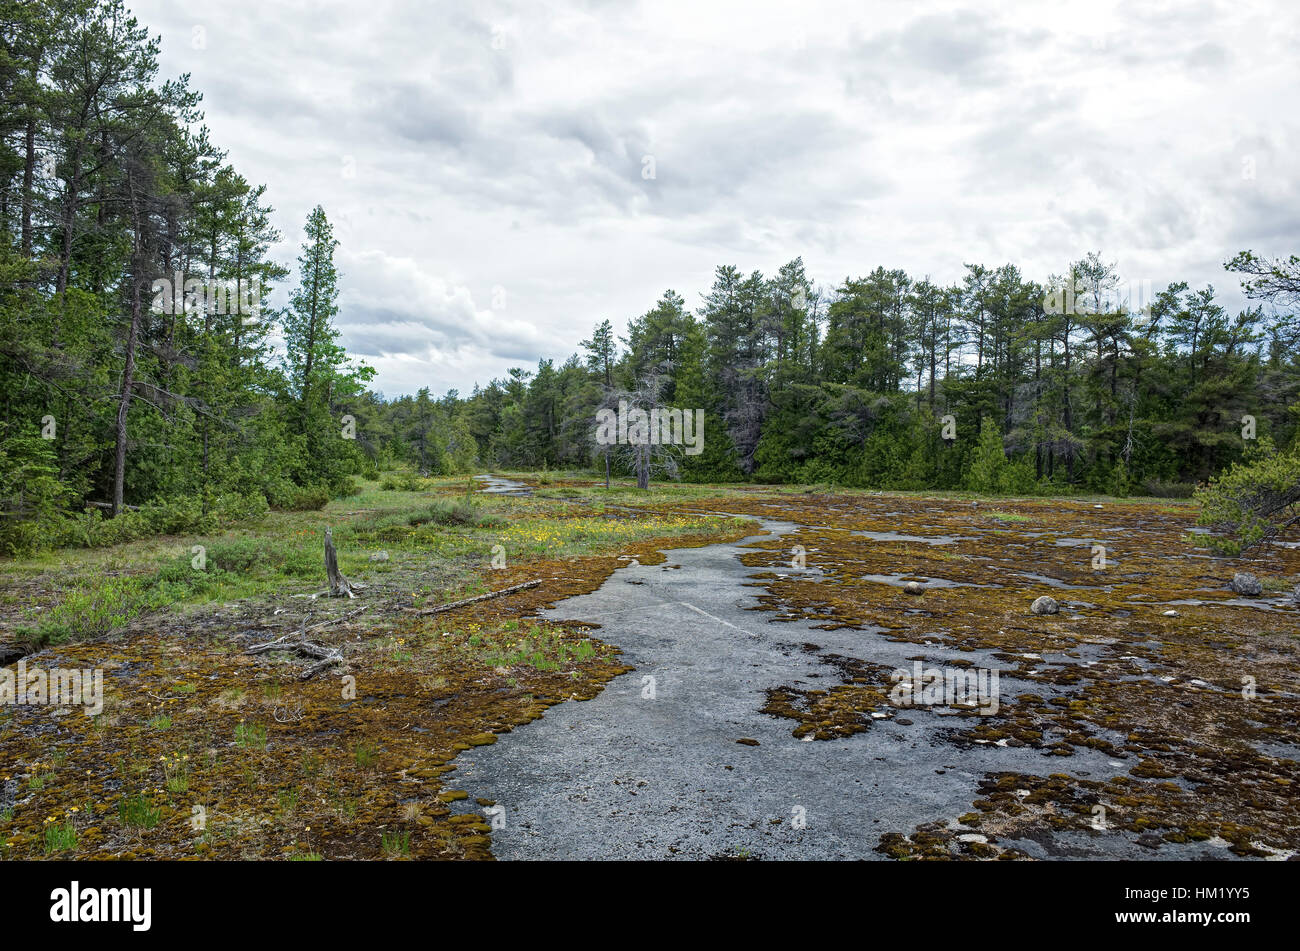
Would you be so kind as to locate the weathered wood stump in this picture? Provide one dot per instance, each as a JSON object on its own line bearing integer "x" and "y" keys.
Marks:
{"x": 339, "y": 585}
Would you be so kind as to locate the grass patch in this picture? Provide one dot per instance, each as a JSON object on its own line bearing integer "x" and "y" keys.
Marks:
{"x": 1008, "y": 517}
{"x": 250, "y": 736}
{"x": 395, "y": 843}
{"x": 139, "y": 812}
{"x": 60, "y": 837}
{"x": 365, "y": 755}
{"x": 176, "y": 773}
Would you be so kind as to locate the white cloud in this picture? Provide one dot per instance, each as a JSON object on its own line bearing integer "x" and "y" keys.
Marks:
{"x": 501, "y": 149}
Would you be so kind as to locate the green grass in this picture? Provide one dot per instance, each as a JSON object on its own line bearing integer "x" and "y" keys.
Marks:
{"x": 97, "y": 591}
{"x": 176, "y": 772}
{"x": 138, "y": 812}
{"x": 60, "y": 837}
{"x": 365, "y": 755}
{"x": 250, "y": 736}
{"x": 539, "y": 647}
{"x": 396, "y": 843}
{"x": 1008, "y": 517}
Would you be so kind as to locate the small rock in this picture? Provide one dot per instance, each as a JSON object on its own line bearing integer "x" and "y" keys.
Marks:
{"x": 1295, "y": 595}
{"x": 913, "y": 587}
{"x": 747, "y": 741}
{"x": 1243, "y": 582}
{"x": 1045, "y": 605}
{"x": 1150, "y": 840}
{"x": 902, "y": 721}
{"x": 1171, "y": 614}
{"x": 379, "y": 556}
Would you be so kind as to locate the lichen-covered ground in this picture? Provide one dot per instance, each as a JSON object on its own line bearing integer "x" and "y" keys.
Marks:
{"x": 1192, "y": 691}
{"x": 201, "y": 751}
{"x": 204, "y": 752}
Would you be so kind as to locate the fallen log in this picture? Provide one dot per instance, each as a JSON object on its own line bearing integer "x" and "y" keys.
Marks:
{"x": 482, "y": 597}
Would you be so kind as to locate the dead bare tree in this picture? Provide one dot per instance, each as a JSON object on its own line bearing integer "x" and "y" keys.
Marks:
{"x": 644, "y": 450}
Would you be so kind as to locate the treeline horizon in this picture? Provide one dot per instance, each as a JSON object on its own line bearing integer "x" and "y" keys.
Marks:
{"x": 996, "y": 383}
{"x": 122, "y": 418}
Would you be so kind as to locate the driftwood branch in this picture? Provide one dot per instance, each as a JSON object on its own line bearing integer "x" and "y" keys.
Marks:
{"x": 482, "y": 597}
{"x": 334, "y": 620}
{"x": 325, "y": 656}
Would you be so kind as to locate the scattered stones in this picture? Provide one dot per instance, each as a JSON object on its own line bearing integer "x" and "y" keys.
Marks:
{"x": 913, "y": 587}
{"x": 379, "y": 556}
{"x": 1243, "y": 582}
{"x": 1045, "y": 605}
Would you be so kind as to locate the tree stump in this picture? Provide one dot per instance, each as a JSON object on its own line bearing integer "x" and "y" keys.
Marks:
{"x": 339, "y": 585}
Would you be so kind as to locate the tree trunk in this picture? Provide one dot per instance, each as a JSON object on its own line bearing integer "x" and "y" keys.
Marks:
{"x": 29, "y": 167}
{"x": 643, "y": 467}
{"x": 128, "y": 370}
{"x": 339, "y": 585}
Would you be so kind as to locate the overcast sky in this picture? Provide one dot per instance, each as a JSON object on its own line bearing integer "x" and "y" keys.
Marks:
{"x": 485, "y": 164}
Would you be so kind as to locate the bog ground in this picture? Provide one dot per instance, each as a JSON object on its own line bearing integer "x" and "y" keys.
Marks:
{"x": 704, "y": 672}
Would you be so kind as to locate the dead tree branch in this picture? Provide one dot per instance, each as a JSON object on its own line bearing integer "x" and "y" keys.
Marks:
{"x": 482, "y": 597}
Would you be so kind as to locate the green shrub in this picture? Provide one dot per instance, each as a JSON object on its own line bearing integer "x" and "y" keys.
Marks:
{"x": 456, "y": 512}
{"x": 989, "y": 460}
{"x": 405, "y": 482}
{"x": 1255, "y": 500}
{"x": 311, "y": 498}
{"x": 31, "y": 495}
{"x": 1168, "y": 490}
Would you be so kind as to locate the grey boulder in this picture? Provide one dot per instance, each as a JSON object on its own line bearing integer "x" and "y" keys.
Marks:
{"x": 1243, "y": 582}
{"x": 1045, "y": 605}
